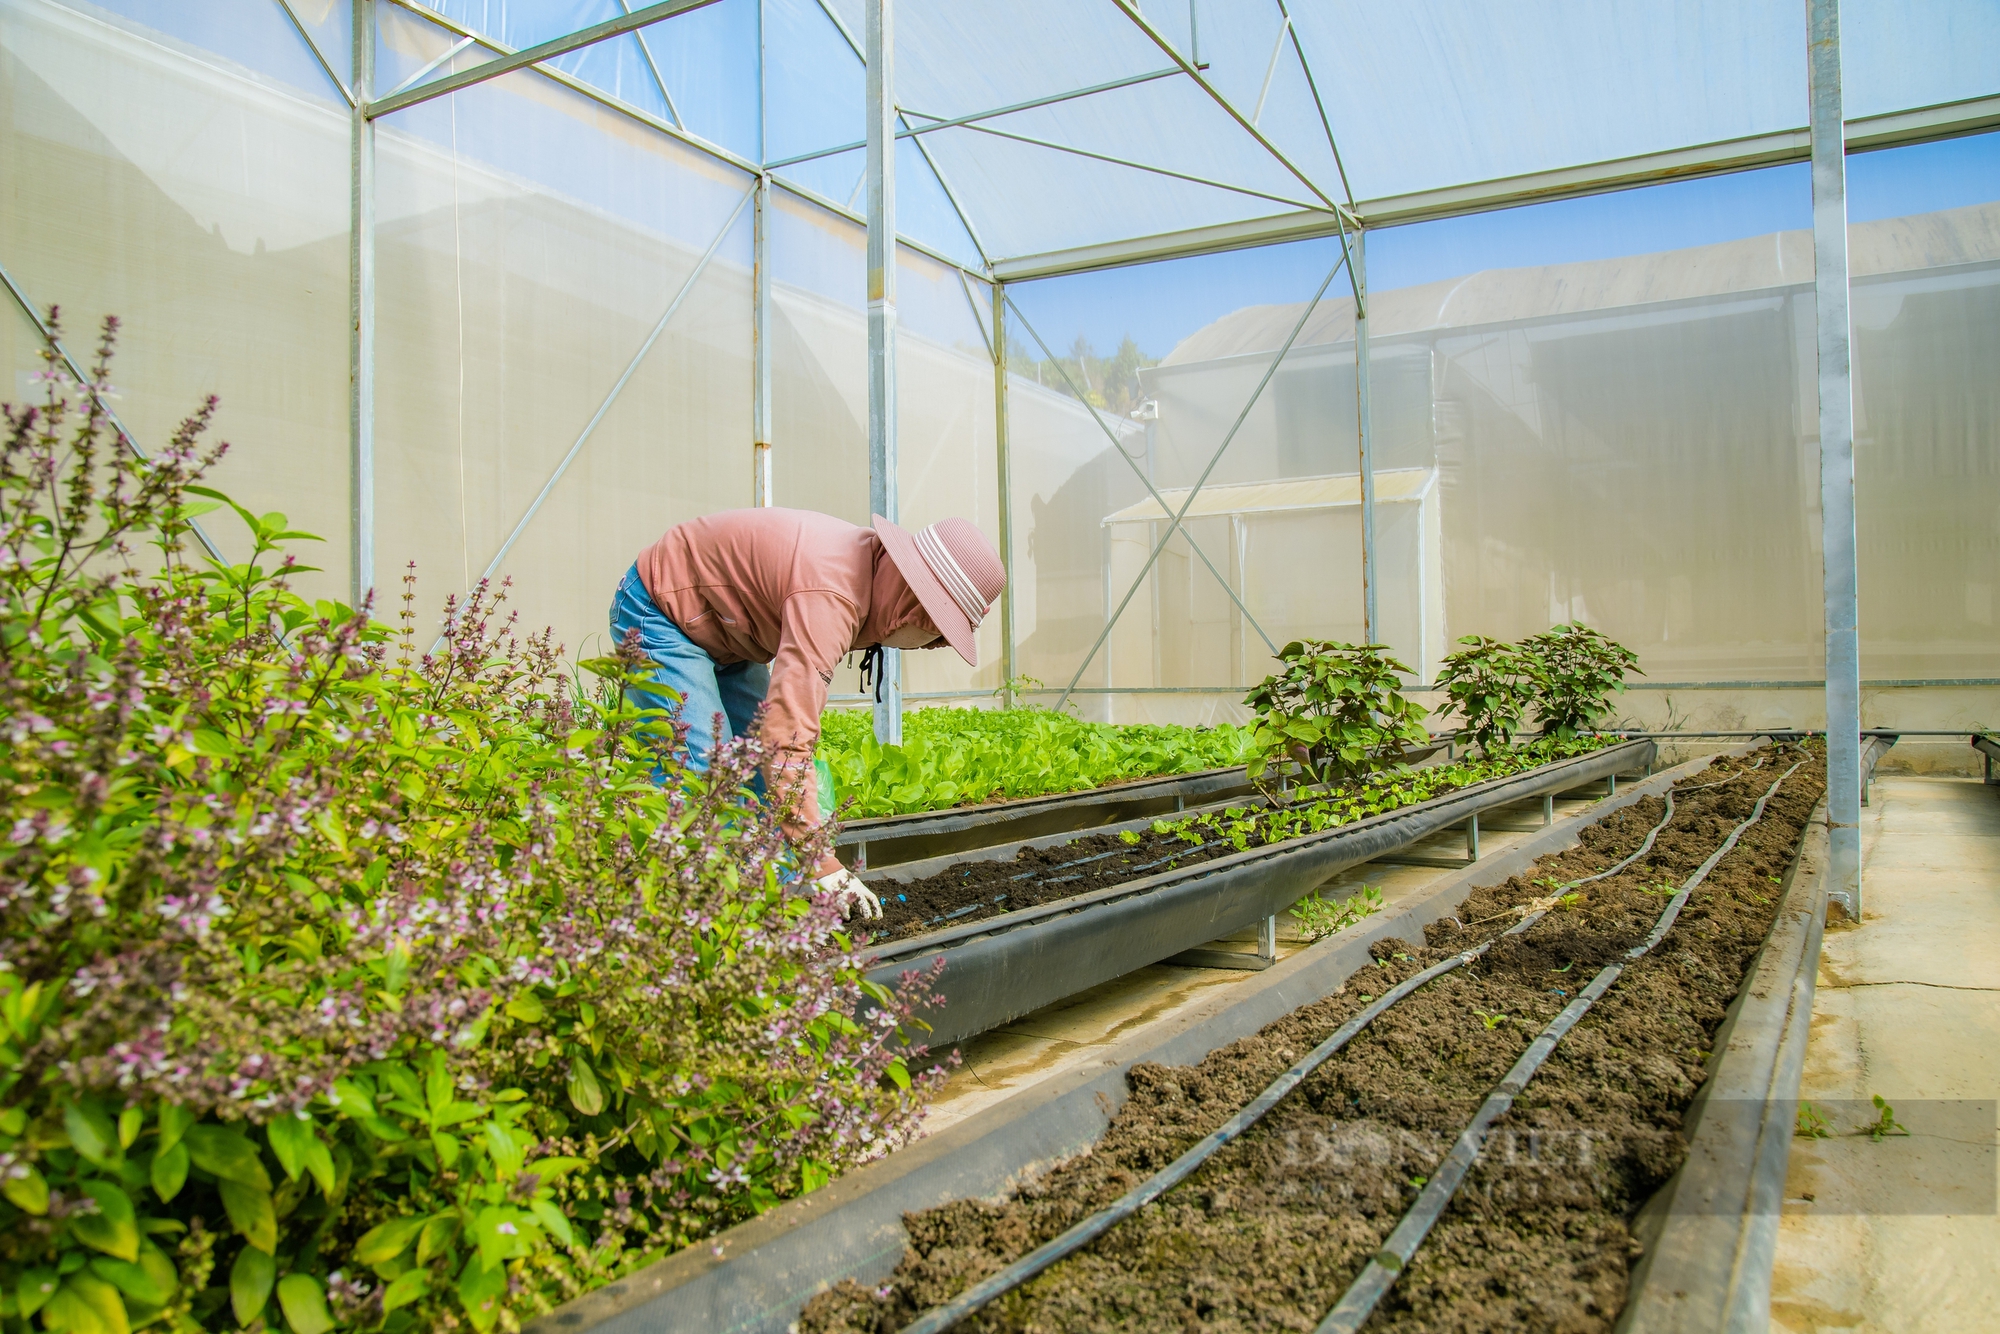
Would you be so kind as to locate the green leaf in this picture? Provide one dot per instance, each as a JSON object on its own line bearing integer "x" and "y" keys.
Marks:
{"x": 386, "y": 1241}
{"x": 438, "y": 1233}
{"x": 406, "y": 1289}
{"x": 304, "y": 1304}
{"x": 250, "y": 1280}
{"x": 86, "y": 1304}
{"x": 437, "y": 1083}
{"x": 33, "y": 1290}
{"x": 447, "y": 1147}
{"x": 212, "y": 743}
{"x": 351, "y": 1099}
{"x": 319, "y": 1162}
{"x": 28, "y": 1192}
{"x": 174, "y": 1121}
{"x": 480, "y": 1291}
{"x": 384, "y": 1129}
{"x": 159, "y": 1268}
{"x": 130, "y": 1122}
{"x": 507, "y": 1154}
{"x": 289, "y": 1137}
{"x": 169, "y": 1173}
{"x": 553, "y": 1219}
{"x": 228, "y": 1154}
{"x": 400, "y": 1078}
{"x": 454, "y": 1112}
{"x": 132, "y": 1279}
{"x": 251, "y": 1211}
{"x": 114, "y": 1228}
{"x": 501, "y": 1234}
{"x": 91, "y": 1133}
{"x": 585, "y": 1093}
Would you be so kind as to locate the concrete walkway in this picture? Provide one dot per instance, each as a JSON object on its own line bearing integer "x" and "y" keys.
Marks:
{"x": 1902, "y": 1233}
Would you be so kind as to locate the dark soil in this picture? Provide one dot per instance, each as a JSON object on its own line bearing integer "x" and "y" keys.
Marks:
{"x": 973, "y": 891}
{"x": 1034, "y": 876}
{"x": 1270, "y": 1231}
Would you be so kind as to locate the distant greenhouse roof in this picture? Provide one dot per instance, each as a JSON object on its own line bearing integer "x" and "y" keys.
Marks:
{"x": 1780, "y": 259}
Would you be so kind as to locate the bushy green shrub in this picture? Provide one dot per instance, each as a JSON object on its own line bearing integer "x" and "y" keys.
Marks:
{"x": 1491, "y": 685}
{"x": 345, "y": 985}
{"x": 1576, "y": 671}
{"x": 953, "y": 756}
{"x": 1336, "y": 710}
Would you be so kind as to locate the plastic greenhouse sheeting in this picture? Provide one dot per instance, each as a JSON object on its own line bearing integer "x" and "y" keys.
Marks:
{"x": 1418, "y": 96}
{"x": 186, "y": 166}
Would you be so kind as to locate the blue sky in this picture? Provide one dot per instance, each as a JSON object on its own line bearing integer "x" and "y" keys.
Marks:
{"x": 1159, "y": 304}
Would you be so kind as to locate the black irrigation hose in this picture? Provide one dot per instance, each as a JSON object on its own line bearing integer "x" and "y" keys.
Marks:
{"x": 1375, "y": 1280}
{"x": 944, "y": 1317}
{"x": 1732, "y": 778}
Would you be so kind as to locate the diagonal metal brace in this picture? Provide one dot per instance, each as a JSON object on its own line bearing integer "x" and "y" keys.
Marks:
{"x": 1202, "y": 481}
{"x": 317, "y": 54}
{"x": 1158, "y": 499}
{"x": 76, "y": 373}
{"x": 1131, "y": 11}
{"x": 694, "y": 276}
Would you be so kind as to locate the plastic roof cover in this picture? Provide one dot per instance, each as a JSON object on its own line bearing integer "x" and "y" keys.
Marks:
{"x": 1419, "y": 95}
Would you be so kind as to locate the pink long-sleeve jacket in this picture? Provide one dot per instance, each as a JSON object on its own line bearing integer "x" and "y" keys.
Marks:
{"x": 794, "y": 588}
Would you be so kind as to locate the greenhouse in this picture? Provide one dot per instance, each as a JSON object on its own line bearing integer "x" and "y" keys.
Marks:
{"x": 1311, "y": 429}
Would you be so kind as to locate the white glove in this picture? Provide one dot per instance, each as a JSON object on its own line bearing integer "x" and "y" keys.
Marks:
{"x": 853, "y": 894}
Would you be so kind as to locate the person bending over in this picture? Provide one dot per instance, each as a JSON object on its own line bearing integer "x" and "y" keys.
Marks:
{"x": 755, "y": 606}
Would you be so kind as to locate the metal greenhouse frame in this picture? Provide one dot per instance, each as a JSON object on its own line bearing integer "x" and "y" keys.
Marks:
{"x": 1292, "y": 203}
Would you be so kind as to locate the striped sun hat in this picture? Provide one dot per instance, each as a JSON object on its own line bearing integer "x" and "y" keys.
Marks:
{"x": 955, "y": 573}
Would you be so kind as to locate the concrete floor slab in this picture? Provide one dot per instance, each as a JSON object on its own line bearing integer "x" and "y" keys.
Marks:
{"x": 1902, "y": 1233}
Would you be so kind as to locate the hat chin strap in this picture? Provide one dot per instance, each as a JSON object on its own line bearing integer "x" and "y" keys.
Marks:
{"x": 871, "y": 666}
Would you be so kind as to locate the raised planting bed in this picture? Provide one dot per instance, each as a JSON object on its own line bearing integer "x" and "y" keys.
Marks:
{"x": 1709, "y": 1236}
{"x": 758, "y": 1274}
{"x": 1099, "y": 907}
{"x": 1478, "y": 1028}
{"x": 893, "y": 839}
{"x": 1989, "y": 750}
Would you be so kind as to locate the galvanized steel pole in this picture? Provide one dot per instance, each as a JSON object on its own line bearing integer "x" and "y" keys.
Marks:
{"x": 361, "y": 311}
{"x": 760, "y": 297}
{"x": 760, "y": 349}
{"x": 880, "y": 41}
{"x": 1371, "y": 626}
{"x": 1836, "y": 457}
{"x": 1005, "y": 486}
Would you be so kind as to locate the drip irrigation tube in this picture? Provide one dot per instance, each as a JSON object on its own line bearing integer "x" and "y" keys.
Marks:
{"x": 753, "y": 1278}
{"x": 1375, "y": 1280}
{"x": 1014, "y": 1275}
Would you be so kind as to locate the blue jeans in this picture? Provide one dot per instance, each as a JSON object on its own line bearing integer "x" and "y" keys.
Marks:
{"x": 704, "y": 689}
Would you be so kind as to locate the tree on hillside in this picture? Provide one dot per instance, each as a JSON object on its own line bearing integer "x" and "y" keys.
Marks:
{"x": 1110, "y": 383}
